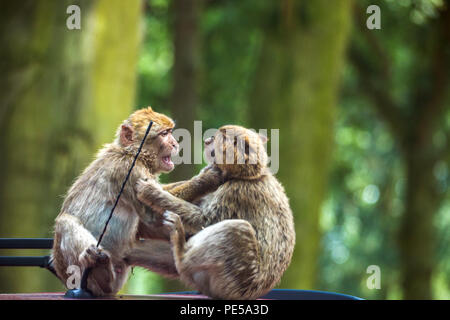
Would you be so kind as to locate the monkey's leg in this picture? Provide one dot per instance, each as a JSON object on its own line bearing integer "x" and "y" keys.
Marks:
{"x": 155, "y": 255}
{"x": 75, "y": 245}
{"x": 222, "y": 261}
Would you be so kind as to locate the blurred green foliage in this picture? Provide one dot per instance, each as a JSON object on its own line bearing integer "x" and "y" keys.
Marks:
{"x": 367, "y": 188}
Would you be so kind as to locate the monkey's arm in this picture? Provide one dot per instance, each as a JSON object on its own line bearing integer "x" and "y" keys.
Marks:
{"x": 168, "y": 187}
{"x": 152, "y": 195}
{"x": 208, "y": 180}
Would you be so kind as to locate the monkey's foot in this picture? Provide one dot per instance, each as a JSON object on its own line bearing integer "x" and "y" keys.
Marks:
{"x": 172, "y": 223}
{"x": 93, "y": 256}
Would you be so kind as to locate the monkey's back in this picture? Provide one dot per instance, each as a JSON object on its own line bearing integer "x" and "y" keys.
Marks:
{"x": 92, "y": 196}
{"x": 263, "y": 203}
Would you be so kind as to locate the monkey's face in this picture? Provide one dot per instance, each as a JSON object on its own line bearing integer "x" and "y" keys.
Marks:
{"x": 236, "y": 150}
{"x": 165, "y": 147}
{"x": 160, "y": 145}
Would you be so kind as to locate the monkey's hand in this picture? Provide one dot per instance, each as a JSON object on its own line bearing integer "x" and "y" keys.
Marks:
{"x": 211, "y": 177}
{"x": 93, "y": 256}
{"x": 151, "y": 194}
{"x": 211, "y": 171}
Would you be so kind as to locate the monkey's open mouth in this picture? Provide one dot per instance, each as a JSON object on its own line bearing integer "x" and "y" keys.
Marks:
{"x": 167, "y": 160}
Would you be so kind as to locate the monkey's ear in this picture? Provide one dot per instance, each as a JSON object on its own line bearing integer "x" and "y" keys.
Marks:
{"x": 126, "y": 135}
{"x": 263, "y": 138}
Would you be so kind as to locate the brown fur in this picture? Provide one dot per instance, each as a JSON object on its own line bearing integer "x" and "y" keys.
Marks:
{"x": 244, "y": 232}
{"x": 140, "y": 121}
{"x": 135, "y": 235}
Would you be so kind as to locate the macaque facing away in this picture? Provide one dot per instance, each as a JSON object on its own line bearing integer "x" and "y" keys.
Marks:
{"x": 243, "y": 232}
{"x": 135, "y": 235}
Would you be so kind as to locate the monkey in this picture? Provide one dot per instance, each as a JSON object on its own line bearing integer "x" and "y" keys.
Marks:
{"x": 135, "y": 236}
{"x": 243, "y": 232}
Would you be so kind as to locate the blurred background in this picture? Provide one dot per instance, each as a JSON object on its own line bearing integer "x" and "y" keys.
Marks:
{"x": 363, "y": 115}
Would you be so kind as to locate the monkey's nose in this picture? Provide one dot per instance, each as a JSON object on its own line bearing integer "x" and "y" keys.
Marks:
{"x": 174, "y": 143}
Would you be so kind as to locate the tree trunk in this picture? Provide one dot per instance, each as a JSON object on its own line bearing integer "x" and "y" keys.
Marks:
{"x": 416, "y": 234}
{"x": 417, "y": 242}
{"x": 295, "y": 91}
{"x": 185, "y": 73}
{"x": 64, "y": 92}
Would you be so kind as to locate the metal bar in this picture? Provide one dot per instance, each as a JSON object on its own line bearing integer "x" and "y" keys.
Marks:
{"x": 26, "y": 243}
{"x": 41, "y": 261}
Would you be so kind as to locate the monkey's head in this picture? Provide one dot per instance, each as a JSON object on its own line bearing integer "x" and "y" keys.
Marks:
{"x": 160, "y": 144}
{"x": 237, "y": 151}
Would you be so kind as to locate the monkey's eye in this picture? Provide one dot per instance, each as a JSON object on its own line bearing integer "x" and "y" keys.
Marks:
{"x": 165, "y": 132}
